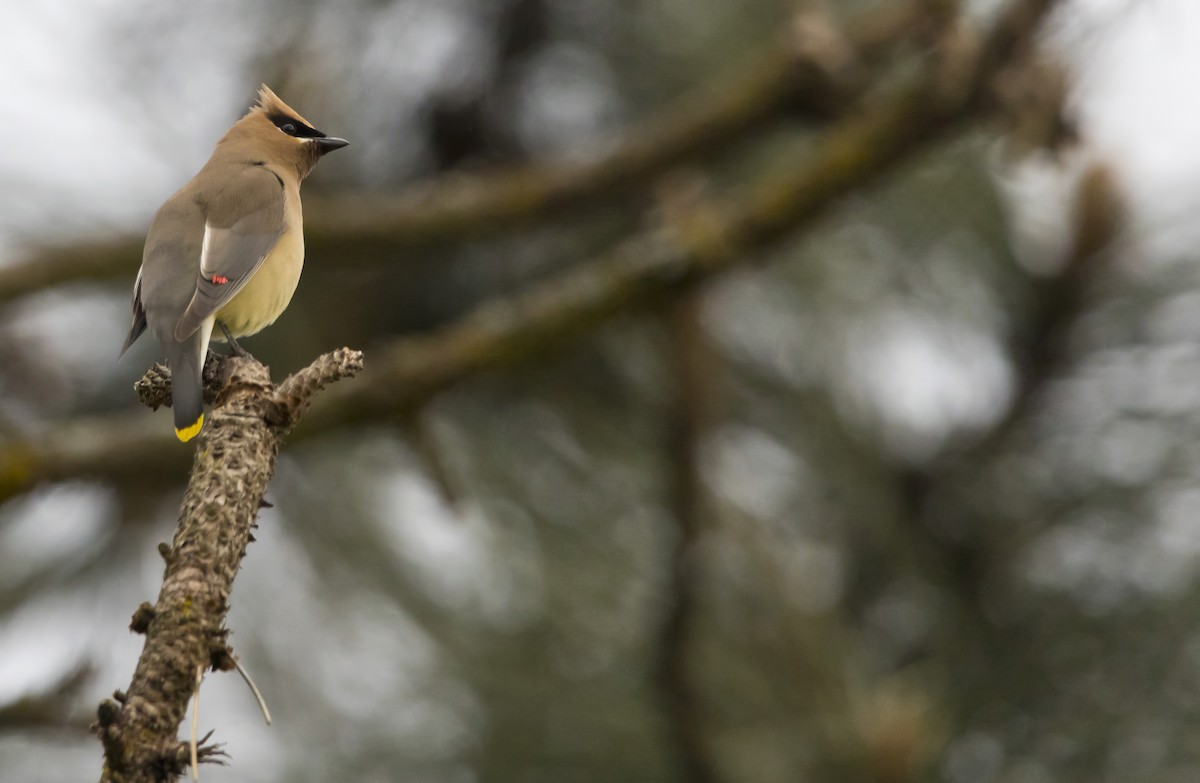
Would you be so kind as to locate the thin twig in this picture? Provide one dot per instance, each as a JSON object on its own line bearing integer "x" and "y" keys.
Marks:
{"x": 196, "y": 722}
{"x": 262, "y": 703}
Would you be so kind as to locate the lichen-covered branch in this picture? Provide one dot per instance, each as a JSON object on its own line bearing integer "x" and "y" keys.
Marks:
{"x": 796, "y": 75}
{"x": 185, "y": 628}
{"x": 853, "y": 153}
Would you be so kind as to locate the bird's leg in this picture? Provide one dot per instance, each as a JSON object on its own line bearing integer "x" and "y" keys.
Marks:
{"x": 238, "y": 350}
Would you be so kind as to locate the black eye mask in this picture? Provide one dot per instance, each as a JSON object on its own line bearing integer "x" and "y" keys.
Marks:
{"x": 293, "y": 127}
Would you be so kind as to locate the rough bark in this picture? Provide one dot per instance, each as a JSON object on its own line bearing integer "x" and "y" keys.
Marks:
{"x": 185, "y": 628}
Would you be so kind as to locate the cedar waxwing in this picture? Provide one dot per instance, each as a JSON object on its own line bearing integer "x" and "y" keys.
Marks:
{"x": 227, "y": 249}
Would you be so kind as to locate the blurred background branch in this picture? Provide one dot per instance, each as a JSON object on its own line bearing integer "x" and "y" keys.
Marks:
{"x": 689, "y": 422}
{"x": 852, "y": 153}
{"x": 802, "y": 74}
{"x": 54, "y": 708}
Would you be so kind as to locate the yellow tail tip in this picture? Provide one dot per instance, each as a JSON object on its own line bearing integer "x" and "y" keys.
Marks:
{"x": 187, "y": 433}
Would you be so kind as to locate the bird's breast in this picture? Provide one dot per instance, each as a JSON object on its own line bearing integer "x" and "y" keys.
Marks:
{"x": 269, "y": 291}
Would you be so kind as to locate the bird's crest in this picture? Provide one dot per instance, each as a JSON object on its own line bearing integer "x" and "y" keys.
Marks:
{"x": 271, "y": 105}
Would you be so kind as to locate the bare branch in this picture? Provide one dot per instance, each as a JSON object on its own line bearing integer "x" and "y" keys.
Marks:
{"x": 301, "y": 388}
{"x": 185, "y": 633}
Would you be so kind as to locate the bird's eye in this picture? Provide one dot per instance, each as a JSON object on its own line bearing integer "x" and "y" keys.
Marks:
{"x": 292, "y": 126}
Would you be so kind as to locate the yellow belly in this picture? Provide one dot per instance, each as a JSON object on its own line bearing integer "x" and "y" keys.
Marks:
{"x": 269, "y": 291}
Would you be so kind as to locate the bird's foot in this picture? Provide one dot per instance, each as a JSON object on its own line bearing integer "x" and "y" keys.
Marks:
{"x": 238, "y": 350}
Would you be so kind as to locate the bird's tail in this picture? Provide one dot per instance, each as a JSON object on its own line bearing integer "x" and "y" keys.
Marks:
{"x": 186, "y": 360}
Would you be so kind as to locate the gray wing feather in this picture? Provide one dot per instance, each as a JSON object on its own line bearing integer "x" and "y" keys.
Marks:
{"x": 243, "y": 222}
{"x": 139, "y": 315}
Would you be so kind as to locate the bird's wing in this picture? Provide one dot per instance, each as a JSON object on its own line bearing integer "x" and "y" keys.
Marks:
{"x": 243, "y": 221}
{"x": 139, "y": 315}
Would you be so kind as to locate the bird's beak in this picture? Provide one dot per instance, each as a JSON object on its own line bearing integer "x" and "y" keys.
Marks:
{"x": 329, "y": 144}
